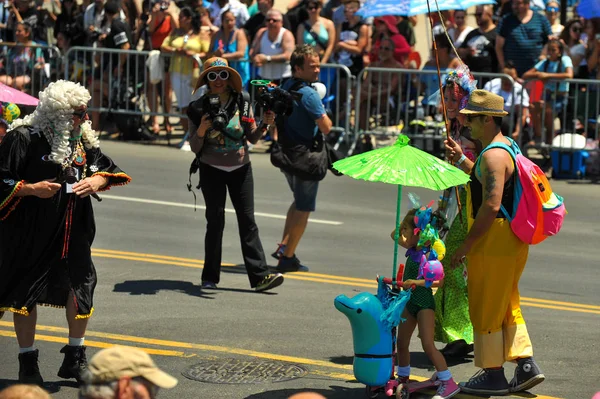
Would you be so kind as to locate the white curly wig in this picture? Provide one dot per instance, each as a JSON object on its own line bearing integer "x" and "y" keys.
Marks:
{"x": 54, "y": 115}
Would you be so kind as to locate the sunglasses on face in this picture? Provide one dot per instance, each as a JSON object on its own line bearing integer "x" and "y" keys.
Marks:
{"x": 386, "y": 48}
{"x": 212, "y": 76}
{"x": 80, "y": 114}
{"x": 313, "y": 7}
{"x": 471, "y": 118}
{"x": 478, "y": 15}
{"x": 273, "y": 20}
{"x": 552, "y": 9}
{"x": 576, "y": 30}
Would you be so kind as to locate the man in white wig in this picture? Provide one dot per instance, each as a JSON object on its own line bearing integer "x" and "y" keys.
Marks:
{"x": 50, "y": 165}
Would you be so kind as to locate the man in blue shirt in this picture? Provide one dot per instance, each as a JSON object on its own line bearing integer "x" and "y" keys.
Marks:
{"x": 307, "y": 119}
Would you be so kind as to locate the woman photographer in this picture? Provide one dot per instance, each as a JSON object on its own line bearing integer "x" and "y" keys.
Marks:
{"x": 224, "y": 165}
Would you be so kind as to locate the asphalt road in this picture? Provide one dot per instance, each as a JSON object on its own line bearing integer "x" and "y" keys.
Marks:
{"x": 149, "y": 251}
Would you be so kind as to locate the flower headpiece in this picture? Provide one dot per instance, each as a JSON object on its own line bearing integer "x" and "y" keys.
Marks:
{"x": 462, "y": 77}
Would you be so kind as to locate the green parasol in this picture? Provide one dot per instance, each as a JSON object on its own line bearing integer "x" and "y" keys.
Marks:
{"x": 403, "y": 165}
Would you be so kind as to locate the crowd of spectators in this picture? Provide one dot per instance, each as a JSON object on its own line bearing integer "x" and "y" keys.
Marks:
{"x": 257, "y": 39}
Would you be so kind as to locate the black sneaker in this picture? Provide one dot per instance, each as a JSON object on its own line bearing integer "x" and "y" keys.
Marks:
{"x": 269, "y": 282}
{"x": 487, "y": 382}
{"x": 527, "y": 375}
{"x": 74, "y": 364}
{"x": 29, "y": 370}
{"x": 290, "y": 265}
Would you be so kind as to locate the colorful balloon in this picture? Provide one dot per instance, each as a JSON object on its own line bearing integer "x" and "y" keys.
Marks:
{"x": 373, "y": 362}
{"x": 10, "y": 112}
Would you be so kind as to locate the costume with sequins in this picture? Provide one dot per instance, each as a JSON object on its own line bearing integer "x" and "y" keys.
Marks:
{"x": 46, "y": 243}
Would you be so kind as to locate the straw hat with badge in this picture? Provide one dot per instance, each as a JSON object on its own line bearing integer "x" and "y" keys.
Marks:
{"x": 218, "y": 68}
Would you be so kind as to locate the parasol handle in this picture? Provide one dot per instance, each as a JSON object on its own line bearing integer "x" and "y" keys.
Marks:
{"x": 397, "y": 235}
{"x": 437, "y": 63}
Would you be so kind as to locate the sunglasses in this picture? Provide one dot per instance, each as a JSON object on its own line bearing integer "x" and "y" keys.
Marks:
{"x": 313, "y": 7}
{"x": 552, "y": 9}
{"x": 80, "y": 114}
{"x": 576, "y": 30}
{"x": 212, "y": 76}
{"x": 273, "y": 20}
{"x": 478, "y": 14}
{"x": 386, "y": 48}
{"x": 471, "y": 118}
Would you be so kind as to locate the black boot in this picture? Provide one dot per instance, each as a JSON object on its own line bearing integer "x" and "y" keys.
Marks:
{"x": 29, "y": 371}
{"x": 74, "y": 364}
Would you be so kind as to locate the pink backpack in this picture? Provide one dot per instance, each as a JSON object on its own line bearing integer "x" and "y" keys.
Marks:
{"x": 538, "y": 212}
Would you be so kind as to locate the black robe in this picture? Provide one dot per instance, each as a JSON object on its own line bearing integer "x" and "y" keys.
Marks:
{"x": 45, "y": 244}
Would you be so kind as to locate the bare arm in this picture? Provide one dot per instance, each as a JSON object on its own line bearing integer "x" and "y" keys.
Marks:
{"x": 531, "y": 74}
{"x": 592, "y": 60}
{"x": 500, "y": 51}
{"x": 361, "y": 44}
{"x": 331, "y": 41}
{"x": 287, "y": 45}
{"x": 493, "y": 175}
{"x": 324, "y": 124}
{"x": 300, "y": 35}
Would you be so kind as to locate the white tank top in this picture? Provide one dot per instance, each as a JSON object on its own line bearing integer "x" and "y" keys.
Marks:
{"x": 273, "y": 70}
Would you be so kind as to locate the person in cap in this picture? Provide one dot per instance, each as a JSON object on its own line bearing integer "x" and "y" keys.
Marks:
{"x": 495, "y": 257}
{"x": 223, "y": 160}
{"x": 123, "y": 372}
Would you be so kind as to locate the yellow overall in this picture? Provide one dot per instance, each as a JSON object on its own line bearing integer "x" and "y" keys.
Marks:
{"x": 494, "y": 266}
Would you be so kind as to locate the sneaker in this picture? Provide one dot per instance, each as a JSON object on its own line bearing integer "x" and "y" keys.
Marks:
{"x": 446, "y": 389}
{"x": 209, "y": 285}
{"x": 29, "y": 370}
{"x": 74, "y": 364}
{"x": 290, "y": 265}
{"x": 186, "y": 147}
{"x": 269, "y": 282}
{"x": 486, "y": 382}
{"x": 527, "y": 375}
{"x": 279, "y": 252}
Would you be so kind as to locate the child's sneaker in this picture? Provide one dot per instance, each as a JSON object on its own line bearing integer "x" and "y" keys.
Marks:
{"x": 446, "y": 389}
{"x": 527, "y": 375}
{"x": 486, "y": 382}
{"x": 279, "y": 252}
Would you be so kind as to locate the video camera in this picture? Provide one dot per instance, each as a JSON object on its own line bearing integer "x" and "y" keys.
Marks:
{"x": 277, "y": 100}
{"x": 209, "y": 104}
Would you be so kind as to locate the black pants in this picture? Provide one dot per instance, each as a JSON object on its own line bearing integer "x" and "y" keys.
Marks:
{"x": 214, "y": 184}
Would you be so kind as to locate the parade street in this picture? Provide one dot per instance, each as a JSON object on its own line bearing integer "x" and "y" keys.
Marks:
{"x": 149, "y": 251}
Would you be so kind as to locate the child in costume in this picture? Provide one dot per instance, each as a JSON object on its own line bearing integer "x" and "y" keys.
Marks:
{"x": 418, "y": 234}
{"x": 452, "y": 321}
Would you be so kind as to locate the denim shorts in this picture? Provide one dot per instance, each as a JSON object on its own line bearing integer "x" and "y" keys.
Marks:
{"x": 305, "y": 192}
{"x": 558, "y": 100}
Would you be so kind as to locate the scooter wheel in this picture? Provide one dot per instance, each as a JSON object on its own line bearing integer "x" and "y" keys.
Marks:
{"x": 402, "y": 392}
{"x": 372, "y": 392}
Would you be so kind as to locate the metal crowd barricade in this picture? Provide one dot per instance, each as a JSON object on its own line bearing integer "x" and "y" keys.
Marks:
{"x": 38, "y": 71}
{"x": 126, "y": 90}
{"x": 578, "y": 113}
{"x": 390, "y": 101}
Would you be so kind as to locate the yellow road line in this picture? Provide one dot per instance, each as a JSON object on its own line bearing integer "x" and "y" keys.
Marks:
{"x": 323, "y": 278}
{"x": 210, "y": 348}
{"x": 95, "y": 344}
{"x": 539, "y": 305}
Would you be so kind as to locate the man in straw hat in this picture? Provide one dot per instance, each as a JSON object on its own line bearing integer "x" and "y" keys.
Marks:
{"x": 496, "y": 257}
{"x": 123, "y": 372}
